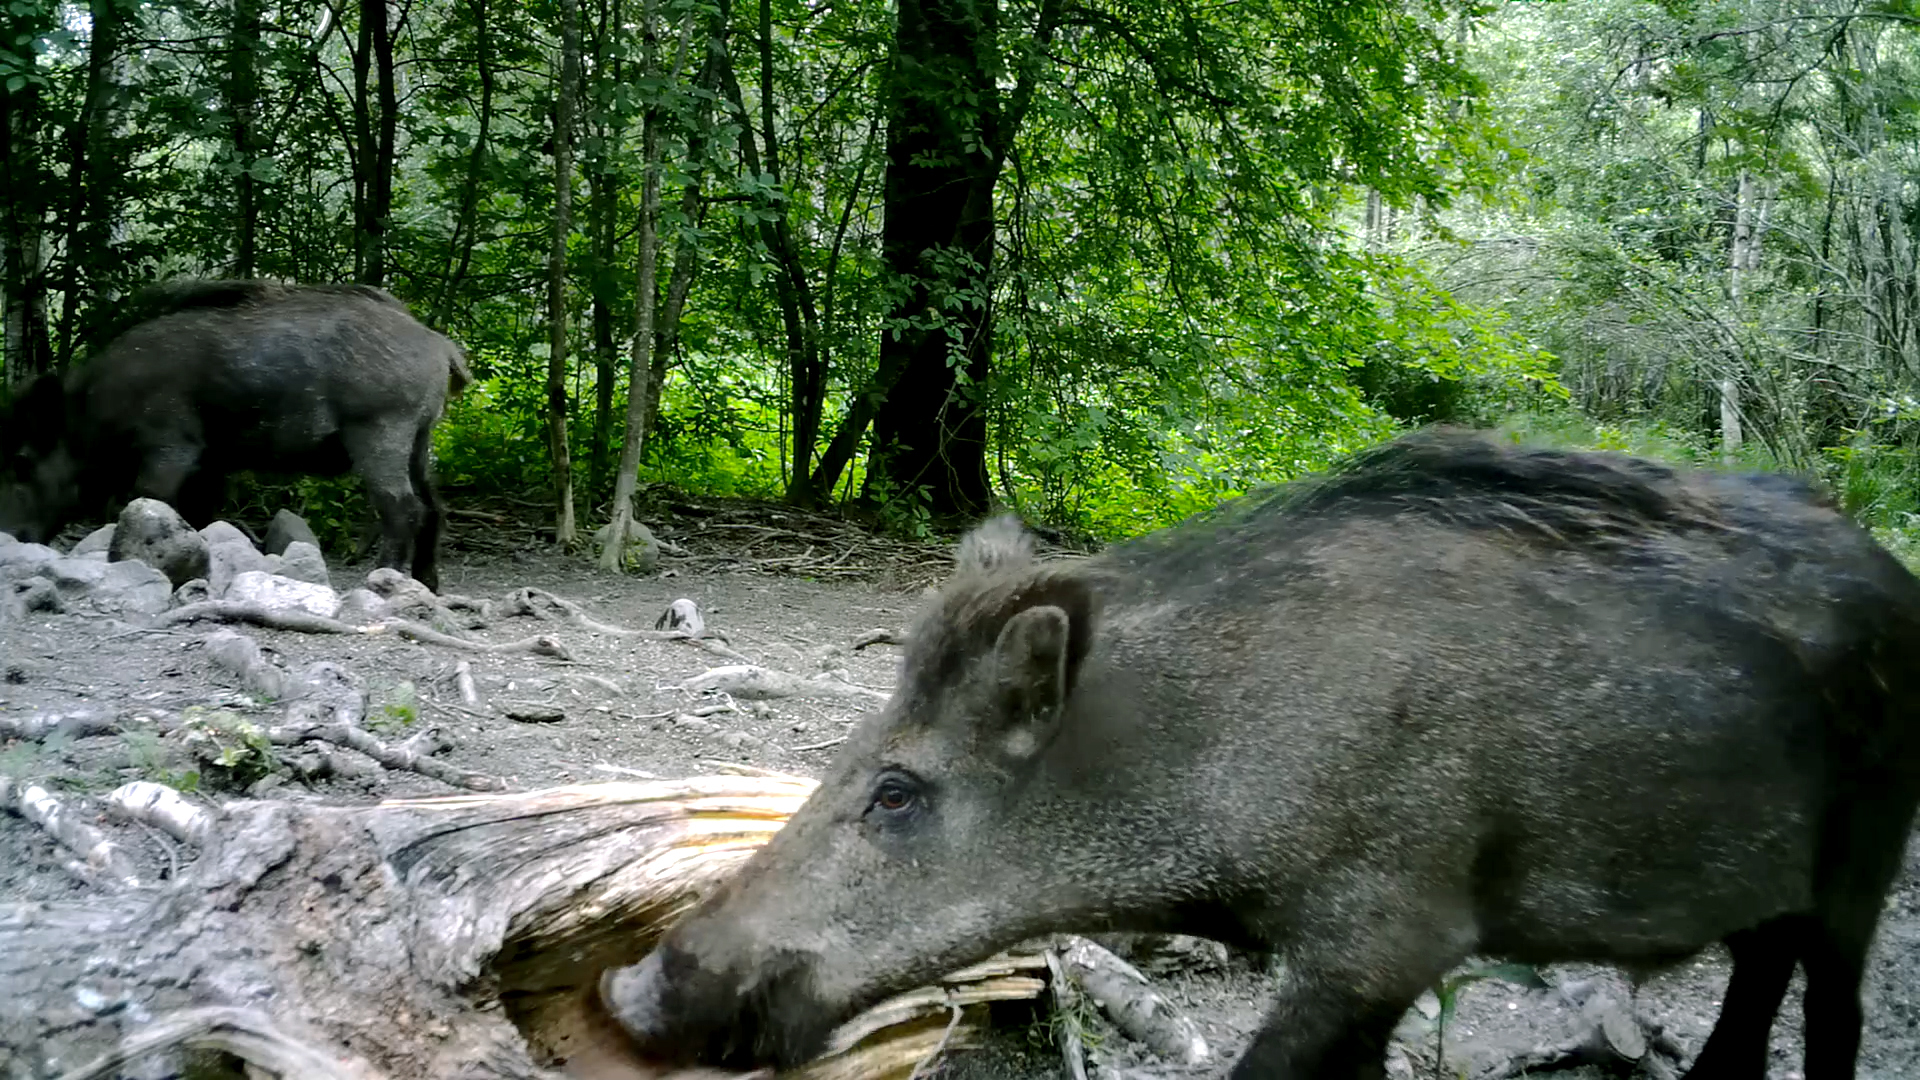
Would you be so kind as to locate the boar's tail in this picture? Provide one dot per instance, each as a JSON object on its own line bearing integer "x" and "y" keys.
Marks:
{"x": 459, "y": 376}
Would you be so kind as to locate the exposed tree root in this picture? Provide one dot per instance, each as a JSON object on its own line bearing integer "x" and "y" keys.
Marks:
{"x": 77, "y": 724}
{"x": 308, "y": 623}
{"x": 879, "y": 637}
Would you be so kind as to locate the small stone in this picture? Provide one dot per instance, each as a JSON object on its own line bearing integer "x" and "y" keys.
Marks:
{"x": 37, "y": 594}
{"x": 192, "y": 592}
{"x": 19, "y": 560}
{"x": 285, "y": 529}
{"x": 302, "y": 561}
{"x": 96, "y": 542}
{"x": 135, "y": 588}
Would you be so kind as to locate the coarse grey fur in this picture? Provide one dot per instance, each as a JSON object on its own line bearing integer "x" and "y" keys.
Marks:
{"x": 1459, "y": 698}
{"x": 217, "y": 377}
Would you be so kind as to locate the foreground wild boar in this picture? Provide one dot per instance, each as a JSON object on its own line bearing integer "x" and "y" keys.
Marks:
{"x": 229, "y": 376}
{"x": 1459, "y": 699}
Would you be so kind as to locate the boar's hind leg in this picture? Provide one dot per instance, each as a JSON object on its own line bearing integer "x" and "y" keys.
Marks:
{"x": 426, "y": 542}
{"x": 381, "y": 454}
{"x": 1864, "y": 844}
{"x": 1763, "y": 959}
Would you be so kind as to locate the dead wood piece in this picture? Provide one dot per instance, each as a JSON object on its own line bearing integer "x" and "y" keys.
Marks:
{"x": 755, "y": 683}
{"x": 463, "y": 682}
{"x": 77, "y": 724}
{"x": 102, "y": 857}
{"x": 391, "y": 757}
{"x": 163, "y": 808}
{"x": 1130, "y": 1001}
{"x": 879, "y": 637}
{"x": 539, "y": 645}
{"x": 529, "y": 713}
{"x": 317, "y": 762}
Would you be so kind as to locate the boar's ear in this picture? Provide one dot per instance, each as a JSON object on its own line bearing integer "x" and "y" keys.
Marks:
{"x": 1038, "y": 656}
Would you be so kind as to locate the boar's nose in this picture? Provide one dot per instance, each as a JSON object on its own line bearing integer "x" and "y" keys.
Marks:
{"x": 636, "y": 997}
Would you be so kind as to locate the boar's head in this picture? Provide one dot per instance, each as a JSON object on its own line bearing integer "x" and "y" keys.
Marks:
{"x": 926, "y": 847}
{"x": 39, "y": 477}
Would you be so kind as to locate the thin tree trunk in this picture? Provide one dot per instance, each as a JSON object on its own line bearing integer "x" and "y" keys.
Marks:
{"x": 557, "y": 410}
{"x": 243, "y": 96}
{"x": 602, "y": 206}
{"x": 376, "y": 125}
{"x": 639, "y": 371}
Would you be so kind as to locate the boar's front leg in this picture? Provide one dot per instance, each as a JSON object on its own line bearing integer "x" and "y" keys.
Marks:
{"x": 1344, "y": 993}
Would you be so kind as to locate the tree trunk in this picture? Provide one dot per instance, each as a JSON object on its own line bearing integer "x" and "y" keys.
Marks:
{"x": 243, "y": 96}
{"x": 557, "y": 409}
{"x": 943, "y": 124}
{"x": 640, "y": 369}
{"x": 465, "y": 224}
{"x": 604, "y": 184}
{"x": 376, "y": 125}
{"x": 93, "y": 174}
{"x": 29, "y": 349}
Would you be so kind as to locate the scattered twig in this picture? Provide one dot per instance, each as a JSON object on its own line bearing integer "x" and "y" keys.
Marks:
{"x": 603, "y": 683}
{"x": 822, "y": 745}
{"x": 529, "y": 713}
{"x": 102, "y": 857}
{"x": 162, "y": 807}
{"x": 1130, "y": 1001}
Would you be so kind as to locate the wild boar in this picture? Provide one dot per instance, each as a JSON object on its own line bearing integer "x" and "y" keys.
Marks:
{"x": 1459, "y": 698}
{"x": 220, "y": 377}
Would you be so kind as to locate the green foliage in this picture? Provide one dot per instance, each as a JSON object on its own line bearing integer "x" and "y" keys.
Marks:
{"x": 148, "y": 754}
{"x": 233, "y": 753}
{"x": 399, "y": 712}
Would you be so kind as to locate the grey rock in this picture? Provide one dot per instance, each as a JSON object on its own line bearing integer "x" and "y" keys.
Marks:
{"x": 404, "y": 597}
{"x": 151, "y": 532}
{"x": 77, "y": 578}
{"x": 97, "y": 542}
{"x": 26, "y": 560}
{"x": 287, "y": 528}
{"x": 302, "y": 561}
{"x": 133, "y": 588}
{"x": 277, "y": 593}
{"x": 230, "y": 554}
{"x": 192, "y": 592}
{"x": 360, "y": 607}
{"x": 34, "y": 594}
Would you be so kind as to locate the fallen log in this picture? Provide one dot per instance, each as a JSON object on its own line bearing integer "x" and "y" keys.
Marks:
{"x": 458, "y": 937}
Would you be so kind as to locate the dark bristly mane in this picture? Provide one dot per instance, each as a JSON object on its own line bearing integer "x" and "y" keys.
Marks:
{"x": 194, "y": 294}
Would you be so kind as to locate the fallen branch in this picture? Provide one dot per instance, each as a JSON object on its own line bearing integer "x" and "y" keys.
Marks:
{"x": 163, "y": 808}
{"x": 244, "y": 1033}
{"x": 391, "y": 757}
{"x": 102, "y": 857}
{"x": 463, "y": 682}
{"x": 1130, "y": 1001}
{"x": 879, "y": 637}
{"x": 753, "y": 682}
{"x": 539, "y": 645}
{"x": 1066, "y": 1020}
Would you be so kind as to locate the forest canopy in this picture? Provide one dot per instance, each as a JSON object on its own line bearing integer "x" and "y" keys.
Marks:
{"x": 1105, "y": 262}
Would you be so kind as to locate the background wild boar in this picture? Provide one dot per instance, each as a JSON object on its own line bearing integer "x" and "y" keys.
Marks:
{"x": 1458, "y": 699}
{"x": 228, "y": 376}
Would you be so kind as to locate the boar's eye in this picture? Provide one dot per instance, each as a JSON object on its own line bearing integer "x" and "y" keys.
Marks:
{"x": 895, "y": 796}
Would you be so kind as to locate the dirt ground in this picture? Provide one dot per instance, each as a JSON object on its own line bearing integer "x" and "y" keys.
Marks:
{"x": 619, "y": 697}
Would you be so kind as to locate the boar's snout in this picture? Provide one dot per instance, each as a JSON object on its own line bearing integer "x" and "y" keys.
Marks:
{"x": 677, "y": 1010}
